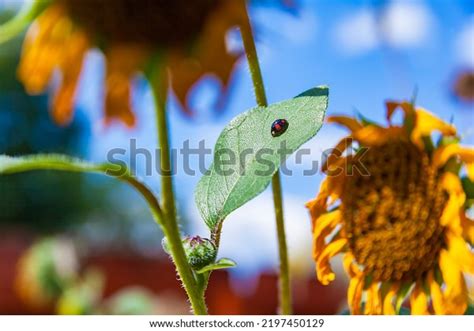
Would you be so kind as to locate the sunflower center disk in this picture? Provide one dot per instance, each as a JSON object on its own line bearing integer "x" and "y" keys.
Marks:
{"x": 392, "y": 217}
{"x": 151, "y": 22}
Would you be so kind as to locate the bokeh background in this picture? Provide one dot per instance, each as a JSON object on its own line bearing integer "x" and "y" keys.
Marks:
{"x": 366, "y": 51}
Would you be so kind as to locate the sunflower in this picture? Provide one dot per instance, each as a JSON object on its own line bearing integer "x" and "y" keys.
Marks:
{"x": 188, "y": 36}
{"x": 463, "y": 87}
{"x": 396, "y": 209}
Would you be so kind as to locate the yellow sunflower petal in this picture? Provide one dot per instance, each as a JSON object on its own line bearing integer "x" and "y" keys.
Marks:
{"x": 184, "y": 73}
{"x": 373, "y": 304}
{"x": 354, "y": 293}
{"x": 123, "y": 61}
{"x": 388, "y": 306}
{"x": 44, "y": 46}
{"x": 436, "y": 294}
{"x": 334, "y": 158}
{"x": 213, "y": 50}
{"x": 318, "y": 206}
{"x": 372, "y": 135}
{"x": 323, "y": 268}
{"x": 426, "y": 123}
{"x": 468, "y": 227}
{"x": 335, "y": 186}
{"x": 324, "y": 225}
{"x": 350, "y": 266}
{"x": 329, "y": 191}
{"x": 455, "y": 205}
{"x": 419, "y": 300}
{"x": 442, "y": 154}
{"x": 455, "y": 295}
{"x": 451, "y": 183}
{"x": 451, "y": 214}
{"x": 470, "y": 171}
{"x": 392, "y": 106}
{"x": 71, "y": 68}
{"x": 460, "y": 252}
{"x": 336, "y": 177}
{"x": 210, "y": 55}
{"x": 465, "y": 154}
{"x": 349, "y": 122}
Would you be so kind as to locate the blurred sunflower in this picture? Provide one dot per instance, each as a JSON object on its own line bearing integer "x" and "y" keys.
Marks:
{"x": 400, "y": 219}
{"x": 188, "y": 36}
{"x": 463, "y": 87}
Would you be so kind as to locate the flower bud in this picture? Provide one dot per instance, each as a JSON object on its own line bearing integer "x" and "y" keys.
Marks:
{"x": 199, "y": 251}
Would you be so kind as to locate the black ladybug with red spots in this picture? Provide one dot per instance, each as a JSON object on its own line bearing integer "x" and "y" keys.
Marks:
{"x": 279, "y": 127}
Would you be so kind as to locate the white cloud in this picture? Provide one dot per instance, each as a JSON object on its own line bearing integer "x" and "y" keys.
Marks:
{"x": 465, "y": 44}
{"x": 357, "y": 33}
{"x": 401, "y": 24}
{"x": 406, "y": 23}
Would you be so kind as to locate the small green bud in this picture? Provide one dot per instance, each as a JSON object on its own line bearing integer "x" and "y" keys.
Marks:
{"x": 199, "y": 251}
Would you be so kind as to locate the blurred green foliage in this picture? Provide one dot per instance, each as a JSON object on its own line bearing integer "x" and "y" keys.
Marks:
{"x": 131, "y": 301}
{"x": 44, "y": 202}
{"x": 50, "y": 202}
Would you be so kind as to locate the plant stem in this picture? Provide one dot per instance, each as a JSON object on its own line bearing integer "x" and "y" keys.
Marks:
{"x": 17, "y": 24}
{"x": 170, "y": 223}
{"x": 285, "y": 284}
{"x": 167, "y": 192}
{"x": 260, "y": 96}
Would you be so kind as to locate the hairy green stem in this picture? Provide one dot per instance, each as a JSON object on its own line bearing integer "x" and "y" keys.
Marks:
{"x": 260, "y": 96}
{"x": 167, "y": 192}
{"x": 58, "y": 162}
{"x": 171, "y": 228}
{"x": 285, "y": 284}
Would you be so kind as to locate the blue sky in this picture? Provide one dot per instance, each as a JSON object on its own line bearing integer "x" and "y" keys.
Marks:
{"x": 366, "y": 54}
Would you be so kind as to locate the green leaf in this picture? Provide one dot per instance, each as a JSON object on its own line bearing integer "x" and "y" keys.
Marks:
{"x": 221, "y": 264}
{"x": 246, "y": 154}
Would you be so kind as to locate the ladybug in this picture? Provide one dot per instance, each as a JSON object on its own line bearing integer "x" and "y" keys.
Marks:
{"x": 279, "y": 127}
